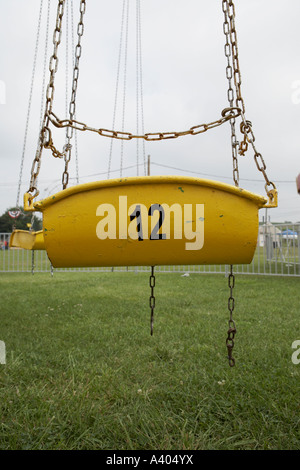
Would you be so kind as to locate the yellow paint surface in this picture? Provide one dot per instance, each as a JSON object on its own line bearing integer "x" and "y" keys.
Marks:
{"x": 205, "y": 222}
{"x": 27, "y": 240}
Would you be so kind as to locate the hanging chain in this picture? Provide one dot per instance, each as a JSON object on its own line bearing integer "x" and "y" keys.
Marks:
{"x": 230, "y": 94}
{"x": 45, "y": 139}
{"x": 73, "y": 63}
{"x": 139, "y": 41}
{"x": 72, "y": 106}
{"x": 229, "y": 11}
{"x": 139, "y": 88}
{"x": 32, "y": 262}
{"x": 152, "y": 298}
{"x": 116, "y": 87}
{"x": 232, "y": 329}
{"x": 29, "y": 102}
{"x": 246, "y": 126}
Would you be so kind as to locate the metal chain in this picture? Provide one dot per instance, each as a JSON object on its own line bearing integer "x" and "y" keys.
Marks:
{"x": 124, "y": 84}
{"x": 246, "y": 126}
{"x": 230, "y": 94}
{"x": 67, "y": 59}
{"x": 32, "y": 262}
{"x": 53, "y": 66}
{"x": 227, "y": 114}
{"x": 29, "y": 102}
{"x": 139, "y": 88}
{"x": 232, "y": 329}
{"x": 73, "y": 63}
{"x": 152, "y": 298}
{"x": 72, "y": 106}
{"x": 42, "y": 112}
{"x": 116, "y": 87}
{"x": 229, "y": 10}
{"x": 139, "y": 41}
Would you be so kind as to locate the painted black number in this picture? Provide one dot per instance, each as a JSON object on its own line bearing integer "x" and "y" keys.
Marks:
{"x": 155, "y": 235}
{"x": 137, "y": 214}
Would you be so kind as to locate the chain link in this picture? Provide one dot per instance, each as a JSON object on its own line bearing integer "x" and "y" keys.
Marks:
{"x": 233, "y": 71}
{"x": 32, "y": 262}
{"x": 230, "y": 94}
{"x": 229, "y": 12}
{"x": 72, "y": 105}
{"x": 232, "y": 329}
{"x": 29, "y": 102}
{"x": 152, "y": 298}
{"x": 227, "y": 114}
{"x": 53, "y": 66}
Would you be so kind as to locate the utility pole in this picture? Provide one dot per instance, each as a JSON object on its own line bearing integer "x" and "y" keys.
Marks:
{"x": 148, "y": 171}
{"x": 298, "y": 183}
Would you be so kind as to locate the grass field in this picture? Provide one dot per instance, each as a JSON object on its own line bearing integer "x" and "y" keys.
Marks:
{"x": 83, "y": 372}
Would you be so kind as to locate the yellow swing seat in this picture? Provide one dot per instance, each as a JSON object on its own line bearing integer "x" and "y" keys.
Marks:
{"x": 27, "y": 240}
{"x": 151, "y": 220}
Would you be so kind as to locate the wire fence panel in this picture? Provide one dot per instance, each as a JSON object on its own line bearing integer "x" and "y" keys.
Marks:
{"x": 277, "y": 253}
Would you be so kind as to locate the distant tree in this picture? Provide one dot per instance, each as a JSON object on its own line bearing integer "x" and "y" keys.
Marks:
{"x": 7, "y": 223}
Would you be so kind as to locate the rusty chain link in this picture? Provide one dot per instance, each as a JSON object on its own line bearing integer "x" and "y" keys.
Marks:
{"x": 43, "y": 140}
{"x": 152, "y": 298}
{"x": 230, "y": 94}
{"x": 232, "y": 329}
{"x": 72, "y": 106}
{"x": 229, "y": 13}
{"x": 233, "y": 71}
{"x": 227, "y": 114}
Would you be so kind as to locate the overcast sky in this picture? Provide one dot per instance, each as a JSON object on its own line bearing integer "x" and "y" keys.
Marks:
{"x": 184, "y": 84}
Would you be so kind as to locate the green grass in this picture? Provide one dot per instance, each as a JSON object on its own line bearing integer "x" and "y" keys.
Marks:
{"x": 83, "y": 372}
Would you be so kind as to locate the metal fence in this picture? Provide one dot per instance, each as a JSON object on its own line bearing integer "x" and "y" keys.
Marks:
{"x": 277, "y": 253}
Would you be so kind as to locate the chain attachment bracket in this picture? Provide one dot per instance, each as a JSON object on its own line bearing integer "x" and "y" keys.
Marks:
{"x": 28, "y": 202}
{"x": 273, "y": 197}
